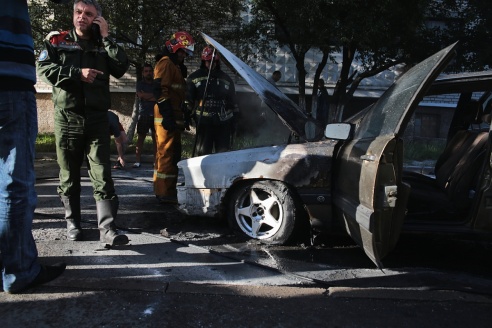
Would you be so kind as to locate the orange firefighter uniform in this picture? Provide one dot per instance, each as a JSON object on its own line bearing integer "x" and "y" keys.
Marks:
{"x": 172, "y": 88}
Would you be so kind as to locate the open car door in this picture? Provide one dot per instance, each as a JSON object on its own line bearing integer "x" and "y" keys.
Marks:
{"x": 369, "y": 194}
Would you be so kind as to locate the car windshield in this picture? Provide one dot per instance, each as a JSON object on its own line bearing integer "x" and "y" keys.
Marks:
{"x": 387, "y": 113}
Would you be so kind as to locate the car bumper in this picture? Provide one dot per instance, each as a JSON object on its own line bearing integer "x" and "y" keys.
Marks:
{"x": 200, "y": 201}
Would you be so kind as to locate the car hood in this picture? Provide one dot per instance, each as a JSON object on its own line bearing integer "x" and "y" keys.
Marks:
{"x": 288, "y": 111}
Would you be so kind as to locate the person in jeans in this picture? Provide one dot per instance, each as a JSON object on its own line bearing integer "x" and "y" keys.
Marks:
{"x": 18, "y": 130}
{"x": 145, "y": 93}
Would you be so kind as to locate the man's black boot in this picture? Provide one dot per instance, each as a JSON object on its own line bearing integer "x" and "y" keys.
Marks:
{"x": 106, "y": 213}
{"x": 72, "y": 215}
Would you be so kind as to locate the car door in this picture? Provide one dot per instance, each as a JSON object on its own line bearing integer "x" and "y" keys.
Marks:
{"x": 369, "y": 195}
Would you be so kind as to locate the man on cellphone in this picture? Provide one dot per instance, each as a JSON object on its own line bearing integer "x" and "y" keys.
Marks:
{"x": 78, "y": 64}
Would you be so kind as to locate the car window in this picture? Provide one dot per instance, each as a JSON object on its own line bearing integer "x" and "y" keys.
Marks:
{"x": 387, "y": 113}
{"x": 427, "y": 133}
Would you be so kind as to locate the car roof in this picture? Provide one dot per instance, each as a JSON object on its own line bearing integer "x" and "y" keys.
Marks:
{"x": 462, "y": 82}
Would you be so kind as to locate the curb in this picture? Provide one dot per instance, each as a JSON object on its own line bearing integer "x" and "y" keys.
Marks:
{"x": 335, "y": 292}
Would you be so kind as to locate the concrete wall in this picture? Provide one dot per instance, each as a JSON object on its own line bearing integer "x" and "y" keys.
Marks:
{"x": 122, "y": 104}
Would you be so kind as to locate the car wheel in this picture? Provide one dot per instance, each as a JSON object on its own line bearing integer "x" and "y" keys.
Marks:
{"x": 264, "y": 210}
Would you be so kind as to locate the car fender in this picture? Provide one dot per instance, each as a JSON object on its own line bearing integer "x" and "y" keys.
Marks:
{"x": 305, "y": 166}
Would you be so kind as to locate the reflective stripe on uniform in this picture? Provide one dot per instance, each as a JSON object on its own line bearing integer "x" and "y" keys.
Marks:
{"x": 199, "y": 112}
{"x": 228, "y": 114}
{"x": 178, "y": 86}
{"x": 201, "y": 79}
{"x": 158, "y": 120}
{"x": 198, "y": 80}
{"x": 164, "y": 175}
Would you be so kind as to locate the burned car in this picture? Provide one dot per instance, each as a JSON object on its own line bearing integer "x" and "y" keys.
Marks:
{"x": 352, "y": 174}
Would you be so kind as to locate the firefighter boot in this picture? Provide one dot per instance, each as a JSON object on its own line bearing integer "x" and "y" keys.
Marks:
{"x": 106, "y": 213}
{"x": 72, "y": 215}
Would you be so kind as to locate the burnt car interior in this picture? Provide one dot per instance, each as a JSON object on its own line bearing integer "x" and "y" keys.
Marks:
{"x": 450, "y": 193}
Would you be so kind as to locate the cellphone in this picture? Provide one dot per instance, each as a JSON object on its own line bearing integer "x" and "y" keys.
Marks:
{"x": 96, "y": 33}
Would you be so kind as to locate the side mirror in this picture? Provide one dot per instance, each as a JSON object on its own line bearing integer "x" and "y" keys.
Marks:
{"x": 339, "y": 131}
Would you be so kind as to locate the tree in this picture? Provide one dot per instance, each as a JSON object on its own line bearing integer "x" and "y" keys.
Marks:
{"x": 143, "y": 25}
{"x": 278, "y": 23}
{"x": 470, "y": 23}
{"x": 377, "y": 34}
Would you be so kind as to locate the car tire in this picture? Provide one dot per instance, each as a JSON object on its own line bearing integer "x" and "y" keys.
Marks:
{"x": 264, "y": 210}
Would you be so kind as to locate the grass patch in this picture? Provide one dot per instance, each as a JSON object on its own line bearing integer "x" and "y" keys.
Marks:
{"x": 423, "y": 150}
{"x": 45, "y": 143}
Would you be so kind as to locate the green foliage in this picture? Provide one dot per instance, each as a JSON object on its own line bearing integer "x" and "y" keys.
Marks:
{"x": 423, "y": 150}
{"x": 47, "y": 16}
{"x": 45, "y": 143}
{"x": 470, "y": 23}
{"x": 187, "y": 143}
{"x": 379, "y": 34}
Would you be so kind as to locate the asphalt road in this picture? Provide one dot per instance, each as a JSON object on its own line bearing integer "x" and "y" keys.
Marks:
{"x": 191, "y": 272}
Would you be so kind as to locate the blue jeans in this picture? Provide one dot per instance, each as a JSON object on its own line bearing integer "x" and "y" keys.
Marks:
{"x": 18, "y": 130}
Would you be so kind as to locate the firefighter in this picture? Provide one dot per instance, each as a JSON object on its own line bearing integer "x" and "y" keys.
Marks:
{"x": 169, "y": 92}
{"x": 214, "y": 115}
{"x": 78, "y": 64}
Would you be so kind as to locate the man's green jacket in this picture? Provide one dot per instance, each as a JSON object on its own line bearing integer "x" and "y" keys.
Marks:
{"x": 61, "y": 62}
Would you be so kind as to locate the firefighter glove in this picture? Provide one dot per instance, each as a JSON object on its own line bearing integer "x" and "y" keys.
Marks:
{"x": 166, "y": 110}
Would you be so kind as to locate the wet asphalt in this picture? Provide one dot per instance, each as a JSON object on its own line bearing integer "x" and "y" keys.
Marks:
{"x": 191, "y": 272}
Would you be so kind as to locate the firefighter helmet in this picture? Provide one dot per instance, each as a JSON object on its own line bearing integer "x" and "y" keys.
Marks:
{"x": 208, "y": 53}
{"x": 181, "y": 40}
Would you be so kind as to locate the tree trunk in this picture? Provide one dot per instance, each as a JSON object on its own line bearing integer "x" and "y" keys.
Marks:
{"x": 314, "y": 95}
{"x": 301, "y": 71}
{"x": 348, "y": 53}
{"x": 133, "y": 124}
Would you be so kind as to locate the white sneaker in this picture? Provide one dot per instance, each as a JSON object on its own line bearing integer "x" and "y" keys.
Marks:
{"x": 136, "y": 165}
